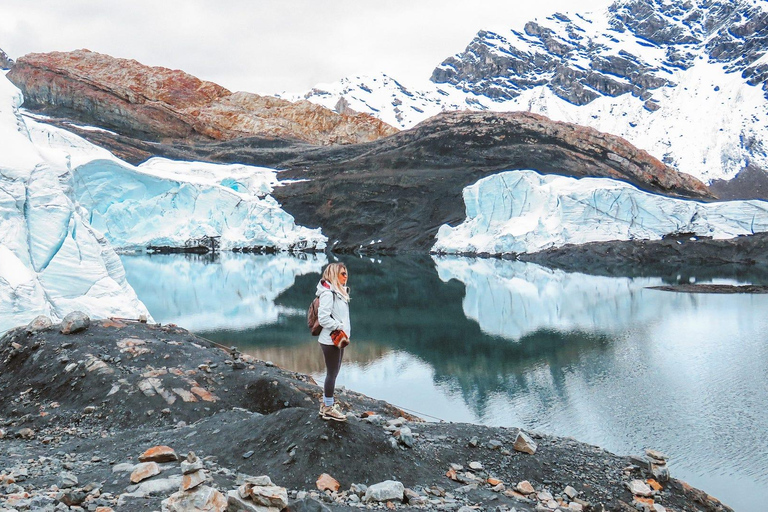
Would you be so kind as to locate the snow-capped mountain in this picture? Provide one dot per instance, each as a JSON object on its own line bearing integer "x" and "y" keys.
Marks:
{"x": 518, "y": 212}
{"x": 684, "y": 81}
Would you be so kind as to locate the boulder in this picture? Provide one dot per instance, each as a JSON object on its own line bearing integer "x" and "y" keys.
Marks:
{"x": 74, "y": 322}
{"x": 269, "y": 496}
{"x": 524, "y": 443}
{"x": 236, "y": 503}
{"x": 202, "y": 499}
{"x": 191, "y": 464}
{"x": 385, "y": 491}
{"x": 144, "y": 470}
{"x": 40, "y": 323}
{"x": 327, "y": 482}
{"x": 159, "y": 454}
{"x": 192, "y": 480}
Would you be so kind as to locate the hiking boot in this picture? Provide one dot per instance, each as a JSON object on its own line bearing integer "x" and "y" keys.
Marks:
{"x": 332, "y": 413}
{"x": 323, "y": 409}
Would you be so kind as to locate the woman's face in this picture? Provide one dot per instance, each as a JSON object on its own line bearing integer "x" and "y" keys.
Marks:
{"x": 343, "y": 277}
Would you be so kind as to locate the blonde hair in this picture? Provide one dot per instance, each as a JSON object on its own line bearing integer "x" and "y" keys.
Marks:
{"x": 331, "y": 274}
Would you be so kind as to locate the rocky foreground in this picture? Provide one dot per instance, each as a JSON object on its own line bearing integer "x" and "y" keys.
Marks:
{"x": 121, "y": 415}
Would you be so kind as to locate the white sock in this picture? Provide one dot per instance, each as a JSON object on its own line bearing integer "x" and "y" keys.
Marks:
{"x": 328, "y": 402}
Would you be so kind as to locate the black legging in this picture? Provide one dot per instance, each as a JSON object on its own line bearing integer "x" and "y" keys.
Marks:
{"x": 332, "y": 355}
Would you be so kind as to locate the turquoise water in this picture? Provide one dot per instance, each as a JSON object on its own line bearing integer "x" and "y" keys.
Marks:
{"x": 602, "y": 359}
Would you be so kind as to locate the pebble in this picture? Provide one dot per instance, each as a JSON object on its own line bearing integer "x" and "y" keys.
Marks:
{"x": 473, "y": 442}
{"x": 248, "y": 454}
{"x": 475, "y": 466}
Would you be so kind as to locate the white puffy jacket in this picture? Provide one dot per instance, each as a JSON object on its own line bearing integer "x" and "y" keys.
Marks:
{"x": 333, "y": 312}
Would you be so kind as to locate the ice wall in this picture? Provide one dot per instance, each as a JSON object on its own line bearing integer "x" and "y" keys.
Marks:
{"x": 51, "y": 260}
{"x": 524, "y": 212}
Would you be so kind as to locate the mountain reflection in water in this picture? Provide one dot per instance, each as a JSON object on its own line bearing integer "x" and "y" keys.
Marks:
{"x": 599, "y": 358}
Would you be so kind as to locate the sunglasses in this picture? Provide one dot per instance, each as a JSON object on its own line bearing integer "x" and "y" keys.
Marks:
{"x": 343, "y": 274}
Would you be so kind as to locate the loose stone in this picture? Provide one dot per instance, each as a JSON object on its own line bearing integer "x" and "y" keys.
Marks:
{"x": 385, "y": 491}
{"x": 524, "y": 443}
{"x": 144, "y": 470}
{"x": 75, "y": 322}
{"x": 327, "y": 482}
{"x": 159, "y": 454}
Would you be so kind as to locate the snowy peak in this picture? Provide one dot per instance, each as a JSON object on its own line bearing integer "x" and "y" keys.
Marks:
{"x": 5, "y": 61}
{"x": 685, "y": 81}
{"x": 634, "y": 47}
{"x": 384, "y": 97}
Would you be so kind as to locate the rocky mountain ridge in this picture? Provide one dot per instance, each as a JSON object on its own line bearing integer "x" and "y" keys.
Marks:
{"x": 5, "y": 61}
{"x": 684, "y": 81}
{"x": 158, "y": 103}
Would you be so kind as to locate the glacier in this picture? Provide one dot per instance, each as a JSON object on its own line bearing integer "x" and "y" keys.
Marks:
{"x": 164, "y": 202}
{"x": 517, "y": 212}
{"x": 67, "y": 205}
{"x": 52, "y": 261}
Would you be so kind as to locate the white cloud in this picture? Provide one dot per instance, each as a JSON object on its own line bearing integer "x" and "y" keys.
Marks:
{"x": 269, "y": 45}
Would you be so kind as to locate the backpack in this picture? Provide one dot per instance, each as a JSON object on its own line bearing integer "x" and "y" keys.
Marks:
{"x": 312, "y": 322}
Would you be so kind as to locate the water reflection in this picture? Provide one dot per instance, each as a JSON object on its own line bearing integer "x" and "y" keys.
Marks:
{"x": 599, "y": 358}
{"x": 229, "y": 292}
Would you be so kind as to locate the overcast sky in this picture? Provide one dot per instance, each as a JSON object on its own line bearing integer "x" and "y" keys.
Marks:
{"x": 268, "y": 46}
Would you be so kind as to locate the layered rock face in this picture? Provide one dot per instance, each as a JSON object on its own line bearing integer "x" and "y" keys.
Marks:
{"x": 581, "y": 60}
{"x": 5, "y": 61}
{"x": 159, "y": 103}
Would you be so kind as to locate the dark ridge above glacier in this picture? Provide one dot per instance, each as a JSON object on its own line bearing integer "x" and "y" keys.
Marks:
{"x": 633, "y": 47}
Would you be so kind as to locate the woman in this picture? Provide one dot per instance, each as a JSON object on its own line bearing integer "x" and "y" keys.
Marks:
{"x": 333, "y": 315}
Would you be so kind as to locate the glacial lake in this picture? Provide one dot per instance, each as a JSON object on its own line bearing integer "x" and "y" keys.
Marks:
{"x": 602, "y": 359}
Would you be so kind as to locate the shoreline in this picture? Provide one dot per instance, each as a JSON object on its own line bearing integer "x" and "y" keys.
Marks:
{"x": 95, "y": 400}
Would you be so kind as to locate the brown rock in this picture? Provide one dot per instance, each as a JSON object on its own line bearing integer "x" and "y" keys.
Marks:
{"x": 158, "y": 103}
{"x": 204, "y": 394}
{"x": 144, "y": 470}
{"x": 494, "y": 481}
{"x": 192, "y": 480}
{"x": 327, "y": 482}
{"x": 202, "y": 499}
{"x": 525, "y": 487}
{"x": 271, "y": 496}
{"x": 524, "y": 443}
{"x": 26, "y": 433}
{"x": 656, "y": 486}
{"x": 159, "y": 454}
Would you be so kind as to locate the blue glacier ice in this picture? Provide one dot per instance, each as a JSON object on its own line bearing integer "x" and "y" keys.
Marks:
{"x": 52, "y": 261}
{"x": 525, "y": 212}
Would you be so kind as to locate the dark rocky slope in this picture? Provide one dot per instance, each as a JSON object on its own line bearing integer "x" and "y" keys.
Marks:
{"x": 87, "y": 401}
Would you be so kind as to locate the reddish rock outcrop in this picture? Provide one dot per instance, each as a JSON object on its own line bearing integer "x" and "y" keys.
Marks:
{"x": 161, "y": 103}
